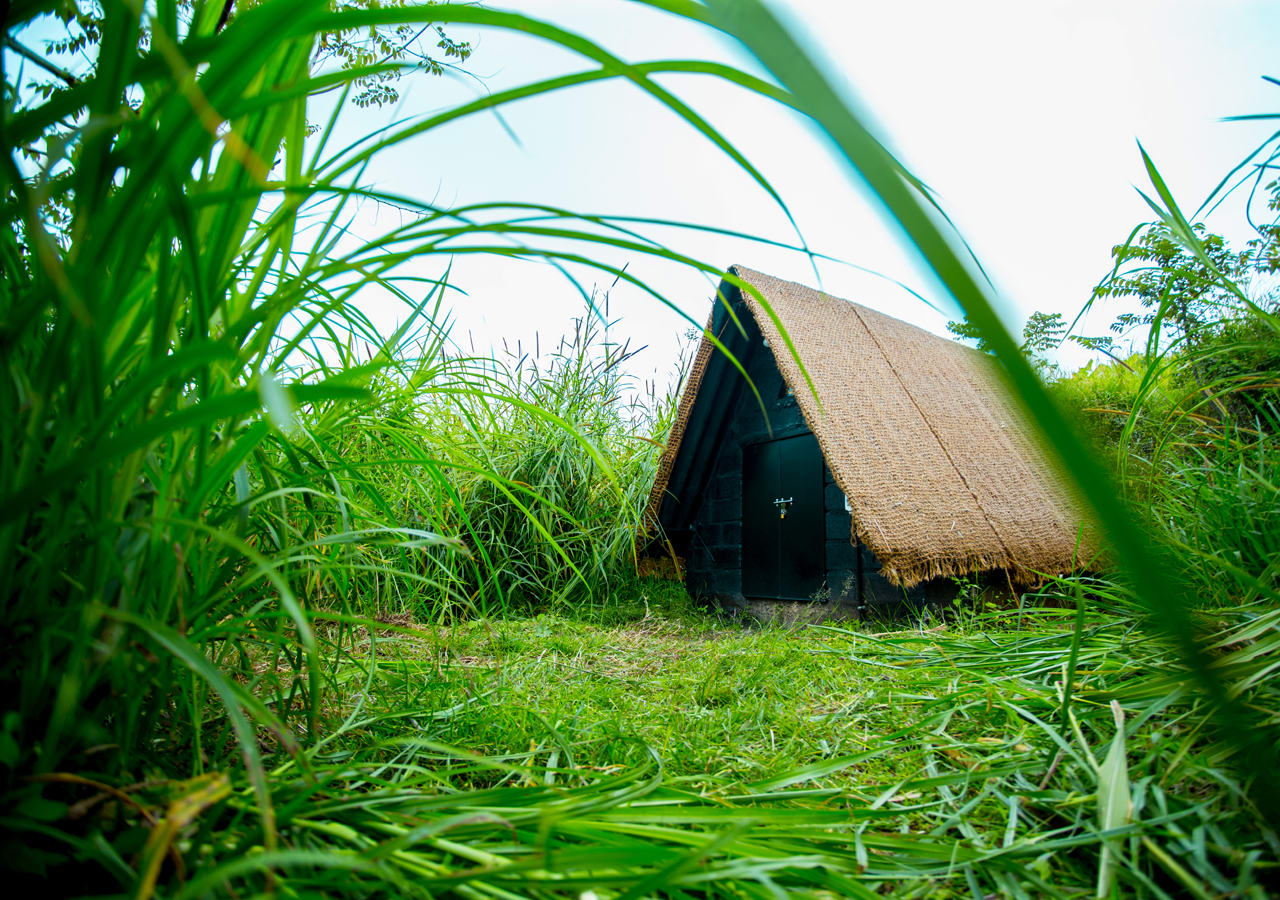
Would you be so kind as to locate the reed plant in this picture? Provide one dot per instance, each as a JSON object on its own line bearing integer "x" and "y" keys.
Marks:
{"x": 539, "y": 463}
{"x": 562, "y": 527}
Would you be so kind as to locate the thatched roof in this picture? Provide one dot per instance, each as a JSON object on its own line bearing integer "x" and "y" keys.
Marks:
{"x": 943, "y": 474}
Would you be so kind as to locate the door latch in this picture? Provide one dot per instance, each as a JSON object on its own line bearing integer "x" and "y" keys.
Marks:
{"x": 782, "y": 503}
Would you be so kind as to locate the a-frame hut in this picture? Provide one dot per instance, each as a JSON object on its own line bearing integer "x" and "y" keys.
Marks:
{"x": 909, "y": 469}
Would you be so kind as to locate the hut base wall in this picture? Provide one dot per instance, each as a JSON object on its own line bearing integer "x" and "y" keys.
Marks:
{"x": 800, "y": 612}
{"x": 889, "y": 603}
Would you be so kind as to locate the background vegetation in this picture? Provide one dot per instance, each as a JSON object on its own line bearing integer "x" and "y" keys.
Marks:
{"x": 255, "y": 556}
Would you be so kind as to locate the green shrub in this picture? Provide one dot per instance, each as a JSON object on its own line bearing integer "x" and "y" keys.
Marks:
{"x": 1240, "y": 360}
{"x": 1119, "y": 403}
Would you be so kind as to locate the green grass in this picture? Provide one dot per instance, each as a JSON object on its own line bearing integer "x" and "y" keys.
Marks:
{"x": 925, "y": 761}
{"x": 721, "y": 704}
{"x": 271, "y": 578}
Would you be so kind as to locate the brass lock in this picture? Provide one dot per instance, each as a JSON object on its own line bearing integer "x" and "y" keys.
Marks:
{"x": 782, "y": 503}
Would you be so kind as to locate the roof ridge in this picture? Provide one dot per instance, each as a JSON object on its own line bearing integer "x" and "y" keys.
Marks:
{"x": 986, "y": 517}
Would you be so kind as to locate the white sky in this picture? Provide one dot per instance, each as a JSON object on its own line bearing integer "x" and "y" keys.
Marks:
{"x": 1022, "y": 116}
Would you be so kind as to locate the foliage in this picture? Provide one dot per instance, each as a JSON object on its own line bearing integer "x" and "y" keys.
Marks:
{"x": 372, "y": 57}
{"x": 579, "y": 518}
{"x": 1239, "y": 359}
{"x": 1152, "y": 415}
{"x": 539, "y": 462}
{"x": 388, "y": 45}
{"x": 398, "y": 46}
{"x": 1208, "y": 323}
{"x": 1182, "y": 288}
{"x": 1208, "y": 306}
{"x": 549, "y": 756}
{"x": 1219, "y": 503}
{"x": 1041, "y": 334}
{"x": 1186, "y": 279}
{"x": 1124, "y": 407}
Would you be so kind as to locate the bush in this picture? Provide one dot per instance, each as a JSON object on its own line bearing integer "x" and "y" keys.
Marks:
{"x": 1127, "y": 408}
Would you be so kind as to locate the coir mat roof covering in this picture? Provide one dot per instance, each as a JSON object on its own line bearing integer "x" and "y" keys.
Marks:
{"x": 943, "y": 474}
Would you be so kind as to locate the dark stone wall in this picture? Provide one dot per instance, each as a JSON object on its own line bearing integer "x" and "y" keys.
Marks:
{"x": 714, "y": 556}
{"x": 842, "y": 553}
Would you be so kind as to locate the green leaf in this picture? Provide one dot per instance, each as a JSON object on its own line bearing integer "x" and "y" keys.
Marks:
{"x": 1114, "y": 801}
{"x": 9, "y": 750}
{"x": 41, "y": 809}
{"x": 279, "y": 406}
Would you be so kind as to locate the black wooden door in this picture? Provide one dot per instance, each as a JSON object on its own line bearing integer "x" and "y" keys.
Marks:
{"x": 783, "y": 557}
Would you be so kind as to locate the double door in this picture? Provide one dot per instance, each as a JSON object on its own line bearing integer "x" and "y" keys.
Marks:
{"x": 783, "y": 519}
